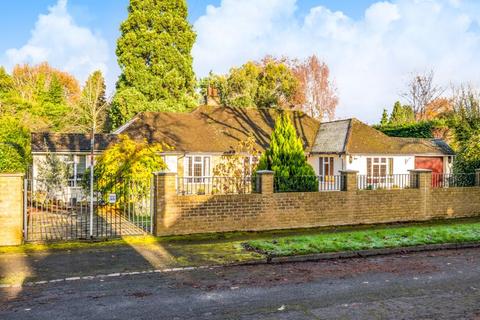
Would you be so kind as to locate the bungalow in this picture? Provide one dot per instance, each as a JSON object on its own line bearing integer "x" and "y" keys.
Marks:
{"x": 199, "y": 139}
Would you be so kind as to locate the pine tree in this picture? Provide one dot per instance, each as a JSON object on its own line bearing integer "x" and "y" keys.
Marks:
{"x": 287, "y": 159}
{"x": 402, "y": 114}
{"x": 384, "y": 121}
{"x": 154, "y": 53}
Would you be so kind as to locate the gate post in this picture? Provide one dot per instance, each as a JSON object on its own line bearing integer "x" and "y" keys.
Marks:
{"x": 11, "y": 209}
{"x": 165, "y": 186}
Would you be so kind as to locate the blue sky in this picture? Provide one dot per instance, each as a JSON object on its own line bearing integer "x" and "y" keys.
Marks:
{"x": 372, "y": 47}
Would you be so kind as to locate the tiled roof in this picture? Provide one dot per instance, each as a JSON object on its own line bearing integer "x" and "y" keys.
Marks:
{"x": 219, "y": 129}
{"x": 69, "y": 142}
{"x": 354, "y": 137}
{"x": 216, "y": 129}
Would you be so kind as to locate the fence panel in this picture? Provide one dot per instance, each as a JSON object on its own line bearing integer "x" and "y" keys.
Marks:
{"x": 388, "y": 182}
{"x": 453, "y": 180}
{"x": 308, "y": 183}
{"x": 215, "y": 185}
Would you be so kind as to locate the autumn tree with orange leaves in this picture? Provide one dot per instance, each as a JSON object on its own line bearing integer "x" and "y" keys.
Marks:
{"x": 316, "y": 95}
{"x": 276, "y": 83}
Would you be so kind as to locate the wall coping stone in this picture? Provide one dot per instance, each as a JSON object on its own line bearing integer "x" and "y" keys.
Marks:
{"x": 164, "y": 173}
{"x": 266, "y": 172}
{"x": 420, "y": 170}
{"x": 11, "y": 175}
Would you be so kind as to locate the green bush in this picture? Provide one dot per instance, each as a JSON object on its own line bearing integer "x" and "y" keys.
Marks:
{"x": 286, "y": 157}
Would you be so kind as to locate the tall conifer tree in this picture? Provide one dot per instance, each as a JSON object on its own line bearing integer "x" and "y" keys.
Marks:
{"x": 154, "y": 54}
{"x": 286, "y": 157}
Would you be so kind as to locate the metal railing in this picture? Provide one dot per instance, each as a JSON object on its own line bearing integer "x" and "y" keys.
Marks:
{"x": 308, "y": 183}
{"x": 387, "y": 182}
{"x": 214, "y": 185}
{"x": 453, "y": 180}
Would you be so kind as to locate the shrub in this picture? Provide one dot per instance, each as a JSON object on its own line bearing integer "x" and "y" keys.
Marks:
{"x": 287, "y": 159}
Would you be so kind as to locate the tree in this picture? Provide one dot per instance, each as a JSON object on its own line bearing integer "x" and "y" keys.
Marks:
{"x": 269, "y": 83}
{"x": 236, "y": 167}
{"x": 128, "y": 163}
{"x": 14, "y": 146}
{"x": 439, "y": 107}
{"x": 421, "y": 92}
{"x": 52, "y": 176}
{"x": 242, "y": 85}
{"x": 286, "y": 157}
{"x": 401, "y": 115}
{"x": 91, "y": 110}
{"x": 465, "y": 121}
{"x": 384, "y": 120}
{"x": 6, "y": 82}
{"x": 154, "y": 53}
{"x": 277, "y": 84}
{"x": 316, "y": 95}
{"x": 34, "y": 82}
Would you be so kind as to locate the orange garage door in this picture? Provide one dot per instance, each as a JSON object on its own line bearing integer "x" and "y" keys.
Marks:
{"x": 432, "y": 163}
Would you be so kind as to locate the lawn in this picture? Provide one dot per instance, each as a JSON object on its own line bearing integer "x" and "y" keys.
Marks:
{"x": 368, "y": 239}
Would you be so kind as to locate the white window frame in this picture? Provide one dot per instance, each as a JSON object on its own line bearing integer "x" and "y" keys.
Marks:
{"x": 322, "y": 163}
{"x": 74, "y": 182}
{"x": 189, "y": 167}
{"x": 387, "y": 162}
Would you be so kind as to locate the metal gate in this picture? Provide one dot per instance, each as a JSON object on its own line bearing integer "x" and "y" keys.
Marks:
{"x": 56, "y": 212}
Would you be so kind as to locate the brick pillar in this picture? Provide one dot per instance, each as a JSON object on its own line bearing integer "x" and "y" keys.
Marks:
{"x": 266, "y": 181}
{"x": 349, "y": 180}
{"x": 422, "y": 178}
{"x": 165, "y": 186}
{"x": 11, "y": 209}
{"x": 477, "y": 177}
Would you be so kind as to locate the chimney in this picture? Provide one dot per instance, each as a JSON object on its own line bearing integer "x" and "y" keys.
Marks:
{"x": 212, "y": 98}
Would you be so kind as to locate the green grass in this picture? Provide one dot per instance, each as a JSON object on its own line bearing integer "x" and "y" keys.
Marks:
{"x": 368, "y": 239}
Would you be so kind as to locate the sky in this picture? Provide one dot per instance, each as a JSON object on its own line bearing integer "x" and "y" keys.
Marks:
{"x": 372, "y": 47}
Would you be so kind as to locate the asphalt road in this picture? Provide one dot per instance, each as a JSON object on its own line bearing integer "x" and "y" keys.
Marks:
{"x": 435, "y": 285}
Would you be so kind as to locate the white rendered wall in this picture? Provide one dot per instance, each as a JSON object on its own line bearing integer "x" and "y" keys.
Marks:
{"x": 401, "y": 164}
{"x": 313, "y": 160}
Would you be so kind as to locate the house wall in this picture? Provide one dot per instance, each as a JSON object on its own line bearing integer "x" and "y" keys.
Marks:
{"x": 338, "y": 164}
{"x": 176, "y": 214}
{"x": 401, "y": 164}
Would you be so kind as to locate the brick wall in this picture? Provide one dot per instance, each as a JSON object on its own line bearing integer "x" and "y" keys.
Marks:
{"x": 11, "y": 209}
{"x": 269, "y": 211}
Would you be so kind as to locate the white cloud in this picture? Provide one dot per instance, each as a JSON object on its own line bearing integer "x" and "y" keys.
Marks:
{"x": 371, "y": 58}
{"x": 57, "y": 39}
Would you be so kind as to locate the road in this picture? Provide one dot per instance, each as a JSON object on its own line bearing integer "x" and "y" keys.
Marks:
{"x": 434, "y": 285}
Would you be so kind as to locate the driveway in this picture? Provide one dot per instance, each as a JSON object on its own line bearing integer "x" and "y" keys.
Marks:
{"x": 435, "y": 285}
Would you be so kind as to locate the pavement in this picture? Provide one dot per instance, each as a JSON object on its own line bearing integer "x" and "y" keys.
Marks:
{"x": 426, "y": 285}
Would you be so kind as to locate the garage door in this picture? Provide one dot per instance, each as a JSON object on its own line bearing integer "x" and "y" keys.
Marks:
{"x": 432, "y": 163}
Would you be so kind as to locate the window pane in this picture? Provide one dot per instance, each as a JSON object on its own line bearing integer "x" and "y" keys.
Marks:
{"x": 320, "y": 166}
{"x": 369, "y": 166}
{"x": 383, "y": 170}
{"x": 206, "y": 166}
{"x": 331, "y": 166}
{"x": 376, "y": 170}
{"x": 384, "y": 160}
{"x": 81, "y": 165}
{"x": 197, "y": 170}
{"x": 390, "y": 166}
{"x": 189, "y": 166}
